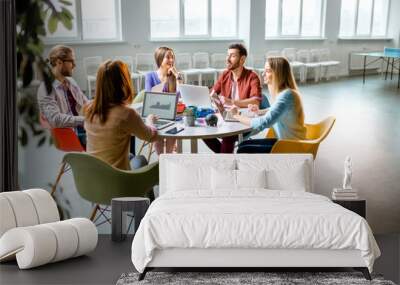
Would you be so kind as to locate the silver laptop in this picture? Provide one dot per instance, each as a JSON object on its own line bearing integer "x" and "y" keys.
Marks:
{"x": 193, "y": 95}
{"x": 162, "y": 105}
{"x": 226, "y": 115}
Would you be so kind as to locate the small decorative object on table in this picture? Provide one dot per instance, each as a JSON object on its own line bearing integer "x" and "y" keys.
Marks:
{"x": 347, "y": 192}
{"x": 180, "y": 107}
{"x": 212, "y": 120}
{"x": 189, "y": 116}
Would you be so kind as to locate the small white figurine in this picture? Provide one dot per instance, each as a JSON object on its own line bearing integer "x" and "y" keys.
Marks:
{"x": 348, "y": 171}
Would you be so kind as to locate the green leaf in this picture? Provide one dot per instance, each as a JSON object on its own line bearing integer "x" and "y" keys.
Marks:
{"x": 67, "y": 13}
{"x": 65, "y": 20}
{"x": 41, "y": 141}
{"x": 36, "y": 48}
{"x": 24, "y": 137}
{"x": 52, "y": 23}
{"x": 65, "y": 2}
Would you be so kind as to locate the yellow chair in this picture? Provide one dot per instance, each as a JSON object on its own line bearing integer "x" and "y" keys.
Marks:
{"x": 315, "y": 134}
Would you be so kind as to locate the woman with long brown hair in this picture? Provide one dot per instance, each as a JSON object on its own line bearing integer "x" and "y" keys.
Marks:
{"x": 285, "y": 116}
{"x": 109, "y": 121}
{"x": 168, "y": 77}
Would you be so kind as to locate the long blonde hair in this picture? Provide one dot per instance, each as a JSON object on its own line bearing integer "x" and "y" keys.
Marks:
{"x": 113, "y": 87}
{"x": 284, "y": 79}
{"x": 159, "y": 55}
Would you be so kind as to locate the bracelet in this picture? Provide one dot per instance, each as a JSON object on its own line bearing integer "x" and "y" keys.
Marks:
{"x": 179, "y": 77}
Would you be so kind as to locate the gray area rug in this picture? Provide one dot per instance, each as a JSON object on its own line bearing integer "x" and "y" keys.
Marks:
{"x": 269, "y": 278}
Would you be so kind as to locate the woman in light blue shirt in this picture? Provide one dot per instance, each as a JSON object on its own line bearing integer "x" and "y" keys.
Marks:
{"x": 285, "y": 115}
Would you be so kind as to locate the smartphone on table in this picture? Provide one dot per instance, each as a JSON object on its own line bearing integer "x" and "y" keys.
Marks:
{"x": 174, "y": 130}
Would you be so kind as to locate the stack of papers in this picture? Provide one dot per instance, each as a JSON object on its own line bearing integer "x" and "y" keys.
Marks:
{"x": 344, "y": 194}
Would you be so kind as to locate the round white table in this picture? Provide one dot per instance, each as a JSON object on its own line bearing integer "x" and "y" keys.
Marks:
{"x": 202, "y": 131}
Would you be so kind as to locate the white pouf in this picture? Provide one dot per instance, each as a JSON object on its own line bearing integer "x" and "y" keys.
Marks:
{"x": 31, "y": 232}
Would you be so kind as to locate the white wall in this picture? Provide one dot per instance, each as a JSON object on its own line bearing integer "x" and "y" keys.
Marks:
{"x": 136, "y": 29}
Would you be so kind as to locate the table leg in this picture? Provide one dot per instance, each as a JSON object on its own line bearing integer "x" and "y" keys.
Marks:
{"x": 365, "y": 62}
{"x": 179, "y": 146}
{"x": 240, "y": 138}
{"x": 398, "y": 79}
{"x": 193, "y": 145}
{"x": 117, "y": 221}
{"x": 387, "y": 68}
{"x": 391, "y": 73}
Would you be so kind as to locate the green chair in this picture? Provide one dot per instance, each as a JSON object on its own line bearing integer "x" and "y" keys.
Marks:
{"x": 99, "y": 182}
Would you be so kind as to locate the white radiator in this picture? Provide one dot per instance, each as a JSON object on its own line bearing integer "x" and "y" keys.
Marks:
{"x": 356, "y": 64}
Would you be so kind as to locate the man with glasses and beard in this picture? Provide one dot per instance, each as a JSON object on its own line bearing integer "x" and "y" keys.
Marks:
{"x": 237, "y": 86}
{"x": 61, "y": 108}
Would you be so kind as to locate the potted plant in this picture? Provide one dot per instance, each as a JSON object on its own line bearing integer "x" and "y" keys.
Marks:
{"x": 189, "y": 116}
{"x": 32, "y": 17}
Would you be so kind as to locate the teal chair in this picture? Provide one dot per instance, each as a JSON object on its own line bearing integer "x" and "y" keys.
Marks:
{"x": 98, "y": 182}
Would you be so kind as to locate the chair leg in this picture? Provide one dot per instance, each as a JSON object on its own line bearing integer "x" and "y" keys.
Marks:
{"x": 60, "y": 173}
{"x": 94, "y": 211}
{"x": 150, "y": 151}
{"x": 141, "y": 147}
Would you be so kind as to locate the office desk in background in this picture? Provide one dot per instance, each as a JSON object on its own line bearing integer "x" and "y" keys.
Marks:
{"x": 390, "y": 55}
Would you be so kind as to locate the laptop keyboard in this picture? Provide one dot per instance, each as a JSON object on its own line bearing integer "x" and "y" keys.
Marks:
{"x": 161, "y": 123}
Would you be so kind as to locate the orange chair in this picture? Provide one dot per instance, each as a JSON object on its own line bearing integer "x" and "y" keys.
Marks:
{"x": 65, "y": 139}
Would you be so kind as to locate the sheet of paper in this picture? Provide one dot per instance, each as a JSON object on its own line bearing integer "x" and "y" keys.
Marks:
{"x": 158, "y": 88}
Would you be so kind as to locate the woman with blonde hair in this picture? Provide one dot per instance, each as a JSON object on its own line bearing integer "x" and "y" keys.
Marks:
{"x": 109, "y": 121}
{"x": 285, "y": 116}
{"x": 166, "y": 77}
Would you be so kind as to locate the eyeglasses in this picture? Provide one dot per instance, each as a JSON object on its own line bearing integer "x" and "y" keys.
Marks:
{"x": 69, "y": 60}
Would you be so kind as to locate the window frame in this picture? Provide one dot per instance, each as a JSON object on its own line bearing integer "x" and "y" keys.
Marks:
{"x": 207, "y": 36}
{"x": 79, "y": 27}
{"x": 355, "y": 24}
{"x": 299, "y": 36}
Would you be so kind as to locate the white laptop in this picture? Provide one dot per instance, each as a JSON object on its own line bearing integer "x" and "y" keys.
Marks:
{"x": 162, "y": 105}
{"x": 193, "y": 95}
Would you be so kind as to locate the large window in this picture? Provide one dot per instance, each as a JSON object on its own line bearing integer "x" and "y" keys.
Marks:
{"x": 294, "y": 18}
{"x": 93, "y": 20}
{"x": 364, "y": 18}
{"x": 193, "y": 19}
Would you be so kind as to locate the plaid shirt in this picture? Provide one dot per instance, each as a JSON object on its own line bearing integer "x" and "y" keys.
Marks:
{"x": 55, "y": 108}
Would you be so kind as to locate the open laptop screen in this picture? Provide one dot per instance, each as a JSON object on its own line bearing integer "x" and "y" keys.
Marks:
{"x": 162, "y": 105}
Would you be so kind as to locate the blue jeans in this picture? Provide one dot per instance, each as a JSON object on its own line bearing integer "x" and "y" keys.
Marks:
{"x": 256, "y": 146}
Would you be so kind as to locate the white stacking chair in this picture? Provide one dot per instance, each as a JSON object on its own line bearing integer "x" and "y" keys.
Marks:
{"x": 145, "y": 63}
{"x": 201, "y": 62}
{"x": 184, "y": 65}
{"x": 310, "y": 58}
{"x": 218, "y": 62}
{"x": 327, "y": 63}
{"x": 272, "y": 53}
{"x": 136, "y": 77}
{"x": 297, "y": 66}
{"x": 256, "y": 62}
{"x": 91, "y": 65}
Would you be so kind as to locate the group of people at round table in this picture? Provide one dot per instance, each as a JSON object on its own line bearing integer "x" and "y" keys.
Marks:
{"x": 107, "y": 123}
